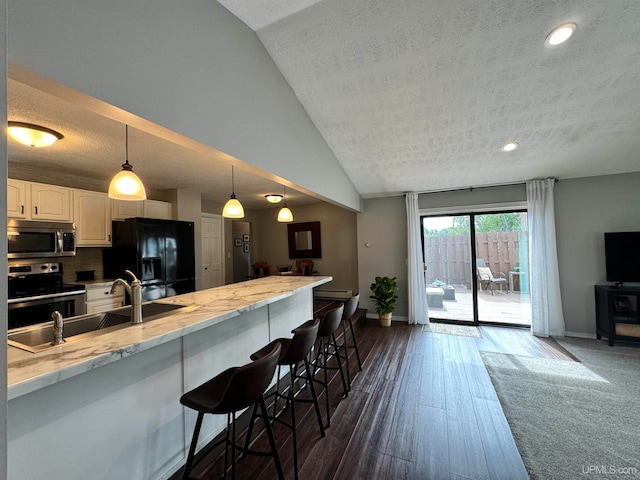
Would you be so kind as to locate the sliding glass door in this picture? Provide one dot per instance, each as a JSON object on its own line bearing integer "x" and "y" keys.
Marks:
{"x": 477, "y": 267}
{"x": 448, "y": 259}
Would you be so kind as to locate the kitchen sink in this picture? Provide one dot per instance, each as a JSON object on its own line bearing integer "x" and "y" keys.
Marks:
{"x": 36, "y": 338}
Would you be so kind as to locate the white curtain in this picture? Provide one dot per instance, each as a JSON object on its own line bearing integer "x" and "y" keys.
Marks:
{"x": 546, "y": 304}
{"x": 418, "y": 309}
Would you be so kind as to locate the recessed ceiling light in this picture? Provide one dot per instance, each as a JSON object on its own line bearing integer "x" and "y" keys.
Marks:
{"x": 560, "y": 34}
{"x": 510, "y": 147}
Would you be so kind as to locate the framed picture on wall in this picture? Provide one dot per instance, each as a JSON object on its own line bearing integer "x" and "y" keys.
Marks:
{"x": 237, "y": 242}
{"x": 245, "y": 238}
{"x": 245, "y": 248}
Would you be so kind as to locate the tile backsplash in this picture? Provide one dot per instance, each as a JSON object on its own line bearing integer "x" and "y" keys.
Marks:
{"x": 85, "y": 259}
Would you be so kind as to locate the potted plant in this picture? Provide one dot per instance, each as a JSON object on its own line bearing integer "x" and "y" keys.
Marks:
{"x": 384, "y": 294}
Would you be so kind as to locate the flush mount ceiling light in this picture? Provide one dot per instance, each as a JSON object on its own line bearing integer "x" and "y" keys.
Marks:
{"x": 509, "y": 147}
{"x": 126, "y": 185}
{"x": 32, "y": 135}
{"x": 233, "y": 207}
{"x": 285, "y": 215}
{"x": 273, "y": 197}
{"x": 560, "y": 34}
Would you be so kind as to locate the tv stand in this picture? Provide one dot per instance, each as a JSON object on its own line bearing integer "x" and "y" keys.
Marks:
{"x": 617, "y": 313}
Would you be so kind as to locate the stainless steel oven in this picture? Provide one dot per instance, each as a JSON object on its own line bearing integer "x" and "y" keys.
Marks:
{"x": 29, "y": 239}
{"x": 36, "y": 290}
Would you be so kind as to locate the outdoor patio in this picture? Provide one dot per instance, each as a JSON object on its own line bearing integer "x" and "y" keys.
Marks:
{"x": 511, "y": 308}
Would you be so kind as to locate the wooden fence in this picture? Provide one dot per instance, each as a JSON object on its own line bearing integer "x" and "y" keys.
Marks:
{"x": 449, "y": 258}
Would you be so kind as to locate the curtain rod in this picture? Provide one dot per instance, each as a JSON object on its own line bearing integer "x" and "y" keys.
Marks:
{"x": 471, "y": 189}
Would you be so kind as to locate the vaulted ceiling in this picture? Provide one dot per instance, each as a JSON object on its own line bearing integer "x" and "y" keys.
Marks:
{"x": 420, "y": 95}
{"x": 411, "y": 95}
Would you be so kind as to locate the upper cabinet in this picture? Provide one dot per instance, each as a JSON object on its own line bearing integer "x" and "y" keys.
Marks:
{"x": 38, "y": 201}
{"x": 121, "y": 209}
{"x": 92, "y": 216}
{"x": 91, "y": 211}
{"x": 18, "y": 203}
{"x": 50, "y": 202}
{"x": 156, "y": 209}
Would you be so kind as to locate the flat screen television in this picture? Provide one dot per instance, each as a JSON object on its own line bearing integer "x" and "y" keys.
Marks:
{"x": 622, "y": 256}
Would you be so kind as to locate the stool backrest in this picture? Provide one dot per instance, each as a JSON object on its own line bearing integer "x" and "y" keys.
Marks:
{"x": 331, "y": 321}
{"x": 249, "y": 382}
{"x": 303, "y": 339}
{"x": 350, "y": 307}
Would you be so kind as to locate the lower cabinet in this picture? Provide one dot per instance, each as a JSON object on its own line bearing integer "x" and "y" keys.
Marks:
{"x": 100, "y": 298}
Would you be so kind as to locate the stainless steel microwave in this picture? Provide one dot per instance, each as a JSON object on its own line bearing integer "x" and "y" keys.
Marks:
{"x": 29, "y": 239}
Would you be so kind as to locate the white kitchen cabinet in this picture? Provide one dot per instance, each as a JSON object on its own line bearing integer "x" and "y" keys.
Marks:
{"x": 92, "y": 216}
{"x": 156, "y": 209}
{"x": 38, "y": 201}
{"x": 100, "y": 298}
{"x": 18, "y": 198}
{"x": 121, "y": 209}
{"x": 50, "y": 202}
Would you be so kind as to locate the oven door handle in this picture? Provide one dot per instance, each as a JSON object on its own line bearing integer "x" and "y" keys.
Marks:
{"x": 46, "y": 296}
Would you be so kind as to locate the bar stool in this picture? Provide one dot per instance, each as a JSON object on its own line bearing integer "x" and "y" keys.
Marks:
{"x": 232, "y": 390}
{"x": 294, "y": 352}
{"x": 350, "y": 307}
{"x": 328, "y": 347}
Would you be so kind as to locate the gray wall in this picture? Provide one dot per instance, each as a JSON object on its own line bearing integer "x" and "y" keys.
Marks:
{"x": 383, "y": 226}
{"x": 585, "y": 209}
{"x": 191, "y": 67}
{"x": 338, "y": 234}
{"x": 474, "y": 197}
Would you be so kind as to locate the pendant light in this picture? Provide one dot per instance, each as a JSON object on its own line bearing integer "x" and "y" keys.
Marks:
{"x": 32, "y": 135}
{"x": 285, "y": 215}
{"x": 233, "y": 207}
{"x": 126, "y": 185}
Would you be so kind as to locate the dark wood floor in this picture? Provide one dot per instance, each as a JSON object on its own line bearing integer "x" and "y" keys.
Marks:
{"x": 422, "y": 408}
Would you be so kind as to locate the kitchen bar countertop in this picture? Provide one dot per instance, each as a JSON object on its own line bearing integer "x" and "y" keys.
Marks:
{"x": 28, "y": 372}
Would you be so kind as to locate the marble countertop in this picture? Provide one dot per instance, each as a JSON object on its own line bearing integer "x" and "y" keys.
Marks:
{"x": 28, "y": 372}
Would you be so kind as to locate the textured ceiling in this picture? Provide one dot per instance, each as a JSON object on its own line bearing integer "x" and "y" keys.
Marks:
{"x": 94, "y": 148}
{"x": 420, "y": 95}
{"x": 411, "y": 95}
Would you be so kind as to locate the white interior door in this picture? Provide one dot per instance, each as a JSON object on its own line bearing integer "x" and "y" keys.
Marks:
{"x": 212, "y": 251}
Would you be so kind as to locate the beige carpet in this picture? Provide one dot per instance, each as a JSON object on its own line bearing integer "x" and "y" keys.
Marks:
{"x": 451, "y": 329}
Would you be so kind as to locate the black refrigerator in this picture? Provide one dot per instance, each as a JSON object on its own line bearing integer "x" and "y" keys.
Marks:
{"x": 160, "y": 252}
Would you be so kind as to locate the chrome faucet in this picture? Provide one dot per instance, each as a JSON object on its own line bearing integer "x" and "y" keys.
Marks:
{"x": 135, "y": 292}
{"x": 58, "y": 323}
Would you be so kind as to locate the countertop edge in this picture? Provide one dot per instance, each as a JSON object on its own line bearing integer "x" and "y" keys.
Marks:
{"x": 113, "y": 347}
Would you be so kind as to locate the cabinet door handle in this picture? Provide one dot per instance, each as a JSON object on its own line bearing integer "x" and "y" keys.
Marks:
{"x": 36, "y": 209}
{"x": 22, "y": 209}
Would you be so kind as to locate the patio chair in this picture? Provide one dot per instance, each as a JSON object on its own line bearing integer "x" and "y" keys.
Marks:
{"x": 486, "y": 276}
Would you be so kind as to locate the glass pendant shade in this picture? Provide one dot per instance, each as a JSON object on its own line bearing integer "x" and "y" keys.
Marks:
{"x": 233, "y": 207}
{"x": 285, "y": 215}
{"x": 32, "y": 135}
{"x": 126, "y": 185}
